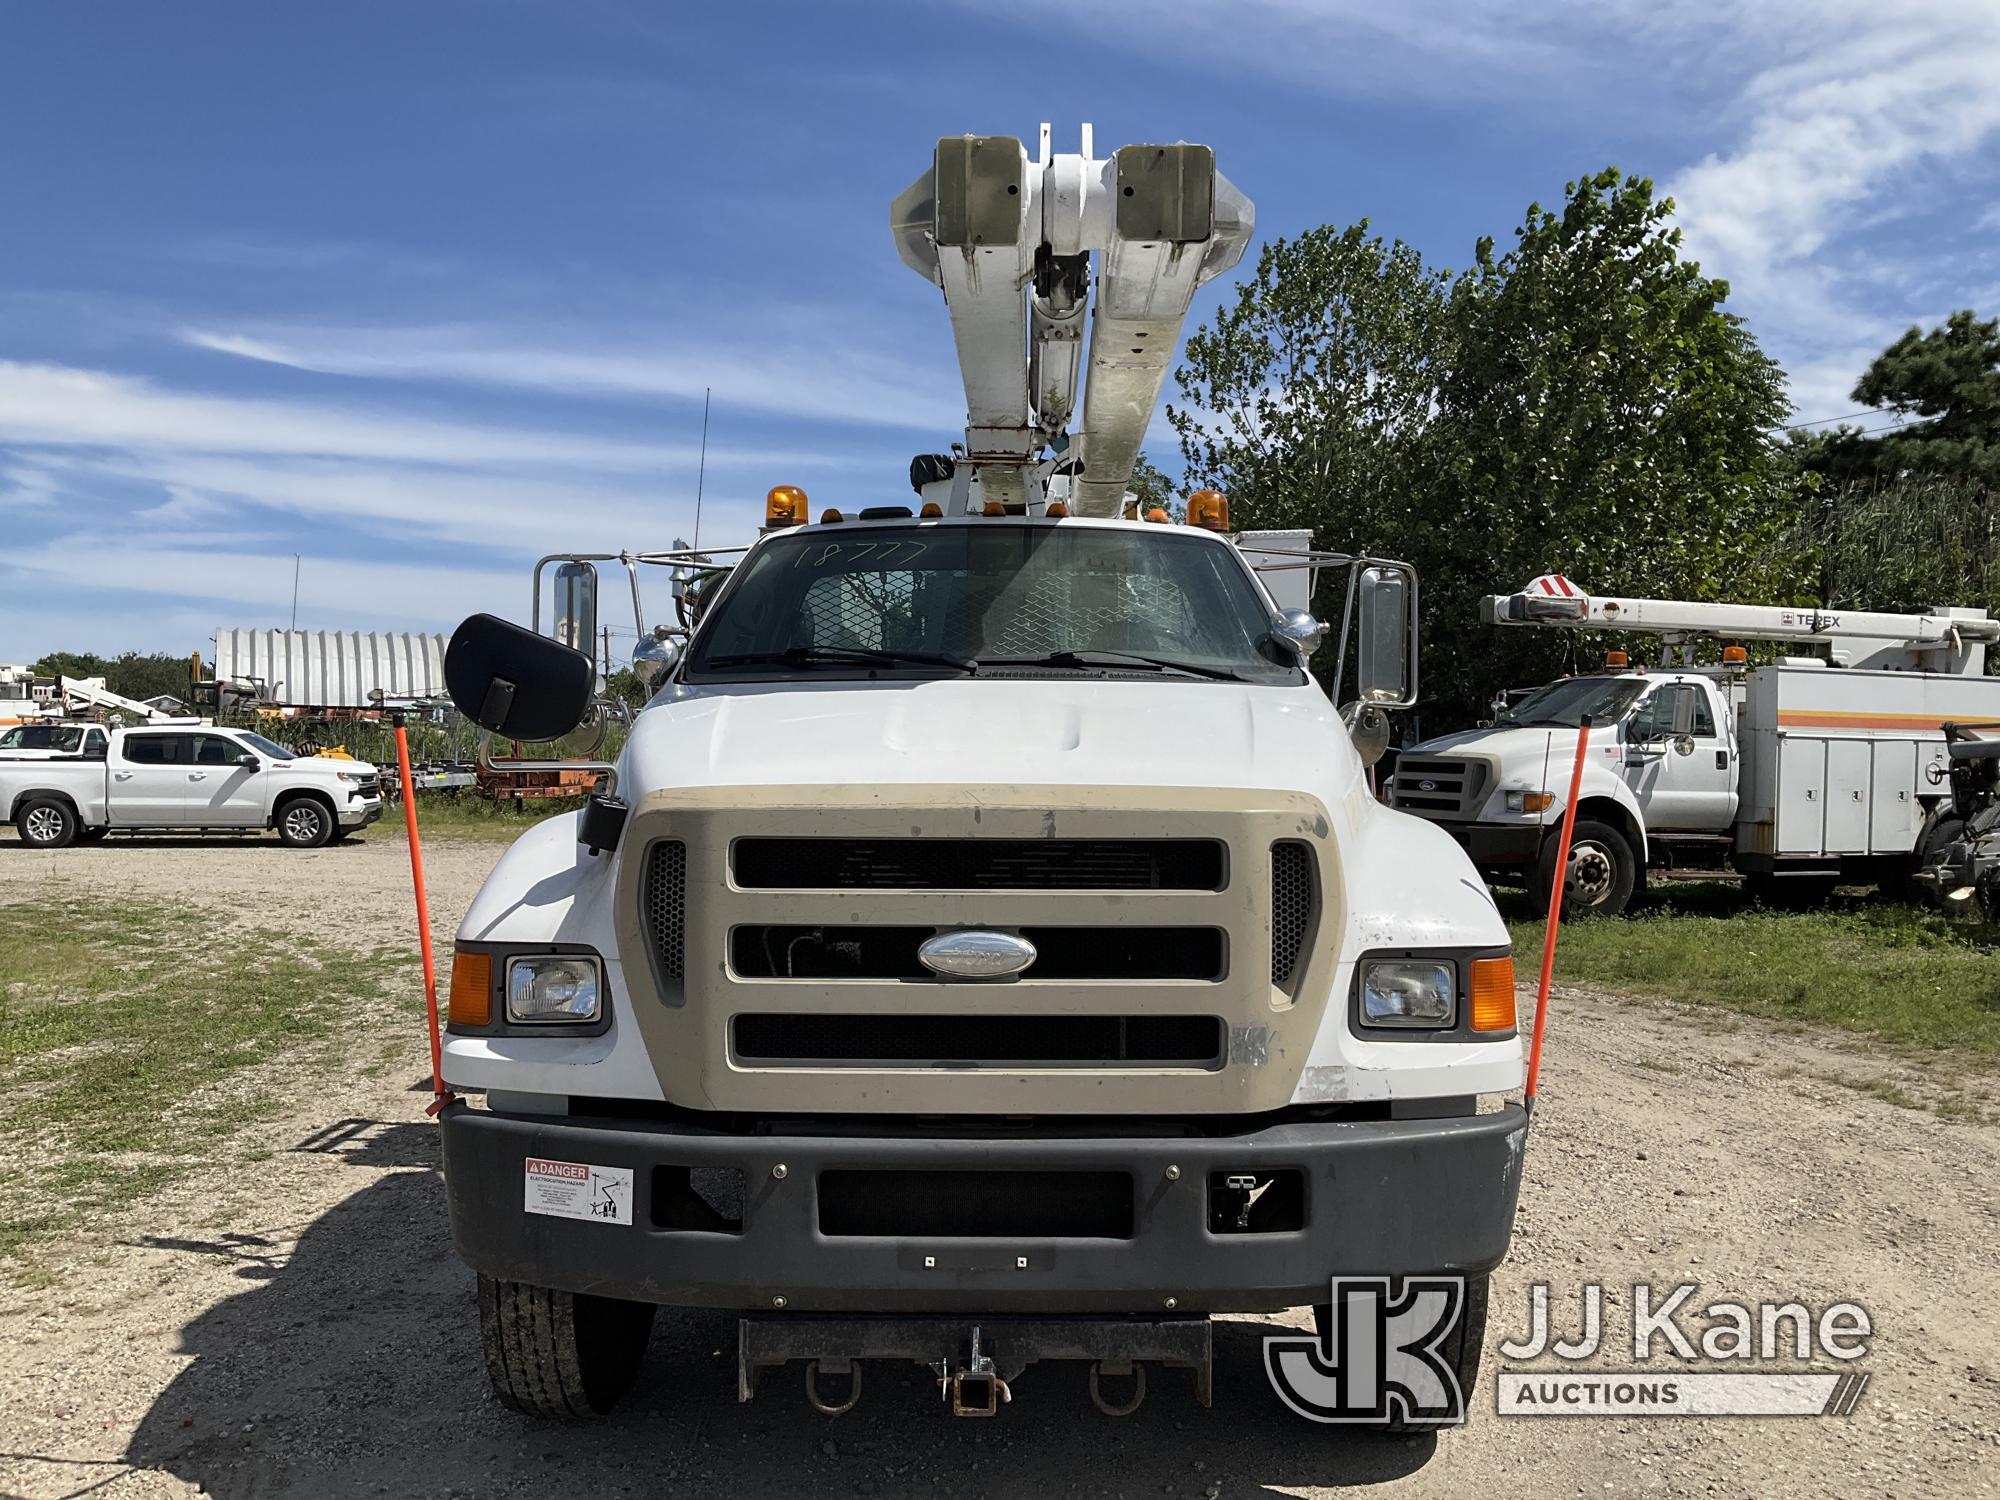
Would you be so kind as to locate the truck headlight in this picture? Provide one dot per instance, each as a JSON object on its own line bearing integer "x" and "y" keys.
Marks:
{"x": 1524, "y": 801}
{"x": 1408, "y": 992}
{"x": 355, "y": 775}
{"x": 561, "y": 987}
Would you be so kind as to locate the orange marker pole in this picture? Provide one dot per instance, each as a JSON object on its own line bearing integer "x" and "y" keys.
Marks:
{"x": 1555, "y": 916}
{"x": 423, "y": 915}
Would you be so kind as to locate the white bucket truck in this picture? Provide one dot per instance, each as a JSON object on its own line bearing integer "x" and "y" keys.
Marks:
{"x": 986, "y": 947}
{"x": 1809, "y": 770}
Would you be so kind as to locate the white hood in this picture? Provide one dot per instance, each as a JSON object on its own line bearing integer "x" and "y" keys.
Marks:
{"x": 1069, "y": 731}
{"x": 1508, "y": 739}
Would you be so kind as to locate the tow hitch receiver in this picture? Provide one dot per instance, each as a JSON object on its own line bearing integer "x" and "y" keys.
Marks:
{"x": 976, "y": 1364}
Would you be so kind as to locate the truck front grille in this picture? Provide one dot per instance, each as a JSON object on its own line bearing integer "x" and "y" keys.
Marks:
{"x": 979, "y": 864}
{"x": 803, "y": 1040}
{"x": 1440, "y": 786}
{"x": 851, "y": 951}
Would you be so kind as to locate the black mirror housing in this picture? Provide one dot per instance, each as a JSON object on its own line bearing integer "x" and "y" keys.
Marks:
{"x": 507, "y": 679}
{"x": 248, "y": 761}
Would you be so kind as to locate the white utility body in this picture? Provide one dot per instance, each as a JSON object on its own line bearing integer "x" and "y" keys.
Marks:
{"x": 184, "y": 778}
{"x": 1811, "y": 768}
{"x": 987, "y": 940}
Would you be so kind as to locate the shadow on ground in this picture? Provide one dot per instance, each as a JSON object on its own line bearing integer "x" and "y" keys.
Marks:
{"x": 352, "y": 1367}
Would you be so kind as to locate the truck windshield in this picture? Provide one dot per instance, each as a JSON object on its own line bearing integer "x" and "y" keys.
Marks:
{"x": 957, "y": 600}
{"x": 1563, "y": 704}
{"x": 270, "y": 747}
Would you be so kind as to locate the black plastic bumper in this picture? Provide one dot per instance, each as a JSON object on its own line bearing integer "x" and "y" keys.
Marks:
{"x": 1382, "y": 1197}
{"x": 1495, "y": 844}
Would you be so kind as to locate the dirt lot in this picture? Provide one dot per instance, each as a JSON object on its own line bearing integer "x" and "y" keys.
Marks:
{"x": 298, "y": 1325}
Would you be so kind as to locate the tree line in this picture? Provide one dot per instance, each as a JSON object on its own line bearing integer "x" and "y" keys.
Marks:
{"x": 1581, "y": 402}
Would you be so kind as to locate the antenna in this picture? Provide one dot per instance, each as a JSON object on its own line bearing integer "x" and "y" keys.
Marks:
{"x": 701, "y": 472}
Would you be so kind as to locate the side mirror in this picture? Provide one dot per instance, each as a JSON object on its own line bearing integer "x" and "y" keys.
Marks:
{"x": 656, "y": 655}
{"x": 248, "y": 761}
{"x": 1683, "y": 712}
{"x": 1302, "y": 630}
{"x": 1368, "y": 726}
{"x": 1387, "y": 670}
{"x": 516, "y": 683}
{"x": 575, "y": 622}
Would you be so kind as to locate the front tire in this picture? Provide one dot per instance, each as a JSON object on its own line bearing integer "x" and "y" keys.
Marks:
{"x": 1603, "y": 870}
{"x": 561, "y": 1355}
{"x": 304, "y": 823}
{"x": 1461, "y": 1351}
{"x": 45, "y": 823}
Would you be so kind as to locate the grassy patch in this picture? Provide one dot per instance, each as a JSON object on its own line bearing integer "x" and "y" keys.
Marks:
{"x": 129, "y": 1038}
{"x": 466, "y": 816}
{"x": 1861, "y": 963}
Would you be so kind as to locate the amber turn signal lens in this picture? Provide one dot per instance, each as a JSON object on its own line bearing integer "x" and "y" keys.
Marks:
{"x": 1157, "y": 516}
{"x": 785, "y": 506}
{"x": 1208, "y": 509}
{"x": 471, "y": 989}
{"x": 1057, "y": 510}
{"x": 932, "y": 511}
{"x": 1493, "y": 994}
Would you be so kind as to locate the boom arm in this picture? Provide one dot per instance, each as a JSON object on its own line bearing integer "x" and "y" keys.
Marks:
{"x": 1009, "y": 241}
{"x": 1882, "y": 637}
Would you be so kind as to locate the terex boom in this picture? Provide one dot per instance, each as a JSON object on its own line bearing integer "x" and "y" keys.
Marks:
{"x": 986, "y": 947}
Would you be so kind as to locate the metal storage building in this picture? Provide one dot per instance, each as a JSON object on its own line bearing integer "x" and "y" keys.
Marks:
{"x": 328, "y": 668}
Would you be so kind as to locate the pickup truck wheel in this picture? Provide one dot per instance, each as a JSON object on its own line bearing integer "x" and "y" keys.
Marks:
{"x": 562, "y": 1355}
{"x": 304, "y": 823}
{"x": 45, "y": 823}
{"x": 1460, "y": 1351}
{"x": 1602, "y": 870}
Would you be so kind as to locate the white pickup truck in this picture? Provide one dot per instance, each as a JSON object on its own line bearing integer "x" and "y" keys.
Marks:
{"x": 185, "y": 779}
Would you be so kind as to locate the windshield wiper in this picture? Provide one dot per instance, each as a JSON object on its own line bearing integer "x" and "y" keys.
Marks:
{"x": 805, "y": 656}
{"x": 1082, "y": 660}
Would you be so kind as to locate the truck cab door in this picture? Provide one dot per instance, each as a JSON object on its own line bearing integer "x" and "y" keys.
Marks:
{"x": 146, "y": 779}
{"x": 1684, "y": 781}
{"x": 222, "y": 793}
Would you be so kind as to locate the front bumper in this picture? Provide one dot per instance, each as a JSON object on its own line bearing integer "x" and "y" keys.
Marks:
{"x": 360, "y": 814}
{"x": 1498, "y": 843}
{"x": 1384, "y": 1197}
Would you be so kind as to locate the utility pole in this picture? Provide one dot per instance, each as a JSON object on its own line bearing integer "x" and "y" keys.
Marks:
{"x": 295, "y": 591}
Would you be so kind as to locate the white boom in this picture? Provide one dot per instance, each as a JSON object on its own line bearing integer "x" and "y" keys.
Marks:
{"x": 1009, "y": 241}
{"x": 90, "y": 692}
{"x": 1886, "y": 640}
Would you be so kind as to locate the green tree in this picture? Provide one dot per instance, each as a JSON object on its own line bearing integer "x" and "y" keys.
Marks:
{"x": 1310, "y": 399}
{"x": 1605, "y": 418}
{"x": 1948, "y": 380}
{"x": 130, "y": 674}
{"x": 1582, "y": 403}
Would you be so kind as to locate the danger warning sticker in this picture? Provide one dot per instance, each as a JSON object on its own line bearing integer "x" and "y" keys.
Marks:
{"x": 577, "y": 1190}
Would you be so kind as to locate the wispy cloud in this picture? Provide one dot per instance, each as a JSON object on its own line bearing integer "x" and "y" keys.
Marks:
{"x": 794, "y": 365}
{"x": 60, "y": 406}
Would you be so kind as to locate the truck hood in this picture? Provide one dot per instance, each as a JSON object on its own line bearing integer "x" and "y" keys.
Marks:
{"x": 1000, "y": 731}
{"x": 1506, "y": 740}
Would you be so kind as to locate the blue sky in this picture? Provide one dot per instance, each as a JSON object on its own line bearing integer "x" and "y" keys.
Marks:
{"x": 421, "y": 291}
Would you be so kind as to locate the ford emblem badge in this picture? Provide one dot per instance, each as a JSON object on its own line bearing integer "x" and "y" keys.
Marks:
{"x": 1427, "y": 786}
{"x": 974, "y": 954}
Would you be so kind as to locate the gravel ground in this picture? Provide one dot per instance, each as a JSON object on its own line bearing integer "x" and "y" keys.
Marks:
{"x": 302, "y": 1327}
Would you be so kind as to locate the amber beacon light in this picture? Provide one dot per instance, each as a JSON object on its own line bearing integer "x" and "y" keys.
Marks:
{"x": 1208, "y": 509}
{"x": 785, "y": 505}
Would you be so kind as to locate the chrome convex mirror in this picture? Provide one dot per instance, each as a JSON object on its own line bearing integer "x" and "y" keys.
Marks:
{"x": 656, "y": 655}
{"x": 1302, "y": 630}
{"x": 1368, "y": 726}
